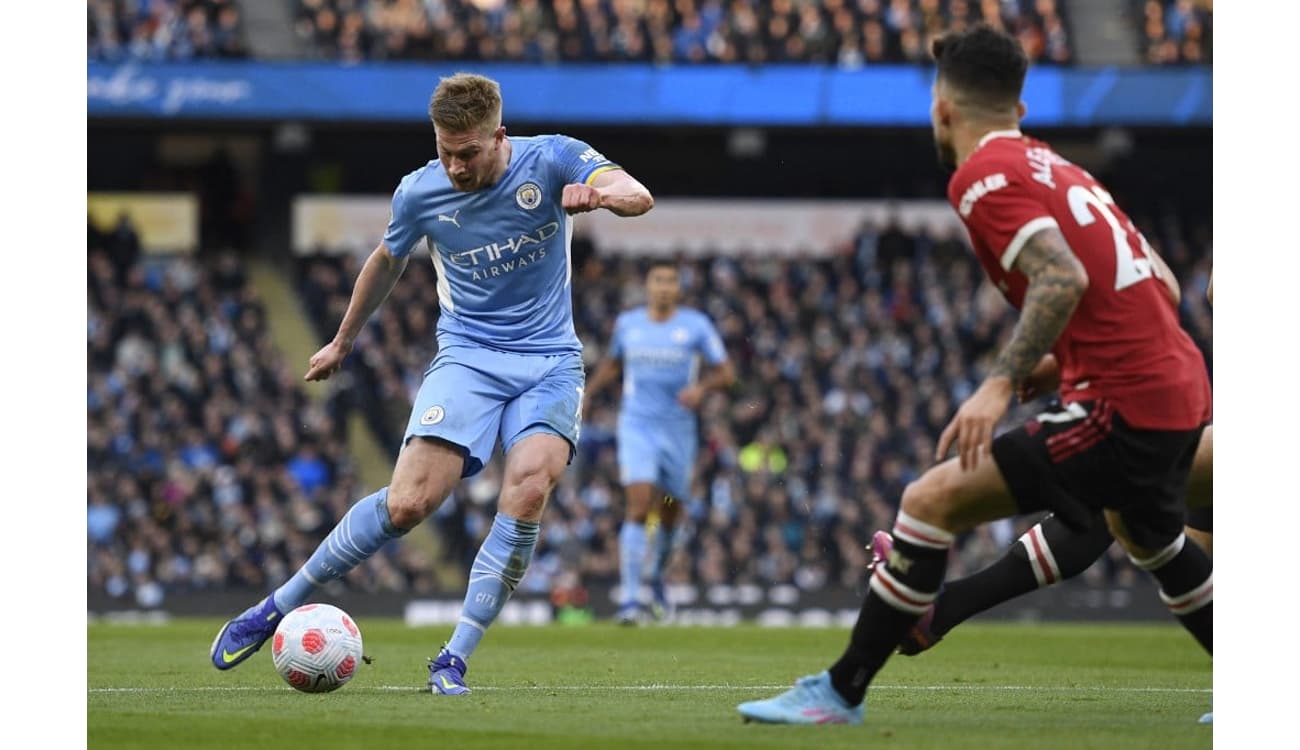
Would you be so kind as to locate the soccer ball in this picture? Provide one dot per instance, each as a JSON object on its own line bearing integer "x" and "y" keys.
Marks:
{"x": 316, "y": 648}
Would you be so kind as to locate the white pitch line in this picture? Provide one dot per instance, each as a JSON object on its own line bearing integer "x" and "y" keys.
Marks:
{"x": 506, "y": 688}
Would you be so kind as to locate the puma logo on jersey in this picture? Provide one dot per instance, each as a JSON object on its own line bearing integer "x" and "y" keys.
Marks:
{"x": 978, "y": 190}
{"x": 452, "y": 218}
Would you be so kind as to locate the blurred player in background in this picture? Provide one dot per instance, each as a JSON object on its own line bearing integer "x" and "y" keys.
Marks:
{"x": 1134, "y": 388}
{"x": 495, "y": 211}
{"x": 658, "y": 349}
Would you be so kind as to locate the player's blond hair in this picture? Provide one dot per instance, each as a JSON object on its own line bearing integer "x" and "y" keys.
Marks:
{"x": 465, "y": 102}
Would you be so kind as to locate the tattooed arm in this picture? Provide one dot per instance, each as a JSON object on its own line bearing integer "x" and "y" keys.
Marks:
{"x": 1057, "y": 281}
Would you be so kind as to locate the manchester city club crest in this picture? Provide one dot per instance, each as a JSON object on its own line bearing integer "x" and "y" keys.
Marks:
{"x": 528, "y": 196}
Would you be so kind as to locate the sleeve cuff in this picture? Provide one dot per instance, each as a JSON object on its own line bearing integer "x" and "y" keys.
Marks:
{"x": 1030, "y": 228}
{"x": 597, "y": 172}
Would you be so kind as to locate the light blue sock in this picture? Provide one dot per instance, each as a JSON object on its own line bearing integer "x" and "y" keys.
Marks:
{"x": 359, "y": 534}
{"x": 631, "y": 553}
{"x": 499, "y": 566}
{"x": 663, "y": 549}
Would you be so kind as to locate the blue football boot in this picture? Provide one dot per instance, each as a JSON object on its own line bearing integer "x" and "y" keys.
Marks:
{"x": 447, "y": 675}
{"x": 243, "y": 636}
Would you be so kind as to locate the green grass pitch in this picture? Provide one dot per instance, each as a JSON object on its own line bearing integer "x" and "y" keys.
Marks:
{"x": 985, "y": 686}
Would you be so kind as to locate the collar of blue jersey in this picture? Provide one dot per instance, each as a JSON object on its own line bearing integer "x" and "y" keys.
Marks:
{"x": 1012, "y": 133}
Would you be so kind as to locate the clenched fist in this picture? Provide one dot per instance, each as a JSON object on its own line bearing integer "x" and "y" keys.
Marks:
{"x": 579, "y": 199}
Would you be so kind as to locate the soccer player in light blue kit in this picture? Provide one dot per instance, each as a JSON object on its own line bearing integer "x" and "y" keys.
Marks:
{"x": 658, "y": 349}
{"x": 495, "y": 212}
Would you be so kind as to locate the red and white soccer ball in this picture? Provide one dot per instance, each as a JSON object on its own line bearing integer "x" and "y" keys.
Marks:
{"x": 316, "y": 648}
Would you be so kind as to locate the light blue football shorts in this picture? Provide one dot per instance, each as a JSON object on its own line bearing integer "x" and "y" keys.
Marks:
{"x": 661, "y": 452}
{"x": 472, "y": 397}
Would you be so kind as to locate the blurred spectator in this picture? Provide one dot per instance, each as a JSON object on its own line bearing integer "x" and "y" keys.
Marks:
{"x": 763, "y": 455}
{"x": 163, "y": 30}
{"x": 102, "y": 518}
{"x": 308, "y": 469}
{"x": 1176, "y": 31}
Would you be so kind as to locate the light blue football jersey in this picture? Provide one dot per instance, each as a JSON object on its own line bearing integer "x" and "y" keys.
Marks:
{"x": 502, "y": 254}
{"x": 661, "y": 358}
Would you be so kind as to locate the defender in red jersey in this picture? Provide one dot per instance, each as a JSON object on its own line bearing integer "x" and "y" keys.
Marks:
{"x": 1135, "y": 392}
{"x": 1123, "y": 343}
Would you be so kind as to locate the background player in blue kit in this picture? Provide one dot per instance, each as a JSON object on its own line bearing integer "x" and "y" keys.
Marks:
{"x": 658, "y": 349}
{"x": 495, "y": 212}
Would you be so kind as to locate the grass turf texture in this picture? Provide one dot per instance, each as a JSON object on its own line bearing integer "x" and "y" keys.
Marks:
{"x": 995, "y": 685}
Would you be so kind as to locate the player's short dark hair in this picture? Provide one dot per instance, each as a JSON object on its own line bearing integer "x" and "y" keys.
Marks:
{"x": 668, "y": 263}
{"x": 983, "y": 63}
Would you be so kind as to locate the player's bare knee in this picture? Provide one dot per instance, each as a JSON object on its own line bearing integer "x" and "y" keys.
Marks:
{"x": 427, "y": 470}
{"x": 526, "y": 498}
{"x": 638, "y": 503}
{"x": 409, "y": 505}
{"x": 925, "y": 500}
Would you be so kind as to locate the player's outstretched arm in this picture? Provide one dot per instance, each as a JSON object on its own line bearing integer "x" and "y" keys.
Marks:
{"x": 1057, "y": 281}
{"x": 622, "y": 194}
{"x": 374, "y": 283}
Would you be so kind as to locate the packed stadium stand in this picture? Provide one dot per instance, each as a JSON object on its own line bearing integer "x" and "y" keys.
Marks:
{"x": 208, "y": 467}
{"x": 1176, "y": 32}
{"x": 847, "y": 33}
{"x": 165, "y": 30}
{"x": 826, "y": 31}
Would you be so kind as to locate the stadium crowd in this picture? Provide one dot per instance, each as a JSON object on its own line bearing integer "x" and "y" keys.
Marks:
{"x": 207, "y": 465}
{"x": 850, "y": 33}
{"x": 847, "y": 33}
{"x": 851, "y": 367}
{"x": 164, "y": 30}
{"x": 1177, "y": 32}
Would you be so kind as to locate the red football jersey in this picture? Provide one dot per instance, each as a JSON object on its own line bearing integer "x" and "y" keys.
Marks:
{"x": 1124, "y": 342}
